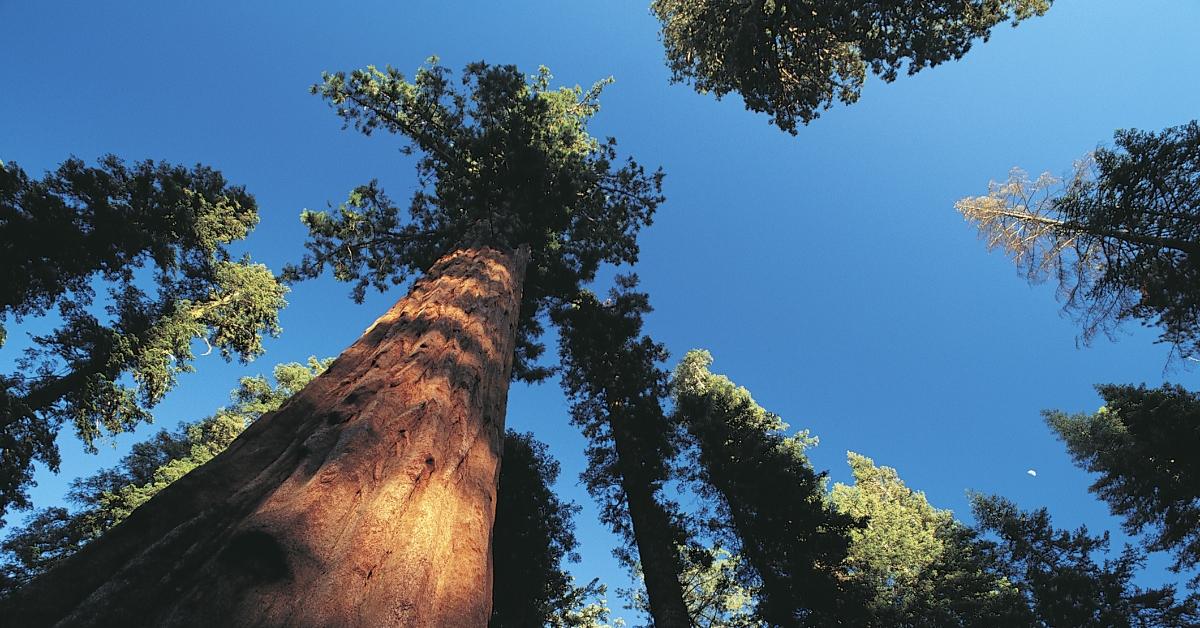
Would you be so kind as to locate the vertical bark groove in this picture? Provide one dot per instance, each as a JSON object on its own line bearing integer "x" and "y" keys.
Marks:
{"x": 367, "y": 500}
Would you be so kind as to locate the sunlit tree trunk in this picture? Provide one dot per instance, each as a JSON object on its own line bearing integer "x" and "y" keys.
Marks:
{"x": 366, "y": 500}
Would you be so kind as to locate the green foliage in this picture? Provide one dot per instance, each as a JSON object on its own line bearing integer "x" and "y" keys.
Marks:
{"x": 585, "y": 607}
{"x": 1056, "y": 571}
{"x": 792, "y": 59}
{"x": 109, "y": 496}
{"x": 770, "y": 502}
{"x": 122, "y": 228}
{"x": 1143, "y": 444}
{"x": 1122, "y": 237}
{"x": 922, "y": 566}
{"x": 711, "y": 590}
{"x": 532, "y": 535}
{"x": 505, "y": 161}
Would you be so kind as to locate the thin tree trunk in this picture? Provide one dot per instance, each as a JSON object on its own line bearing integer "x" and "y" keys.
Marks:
{"x": 366, "y": 500}
{"x": 652, "y": 531}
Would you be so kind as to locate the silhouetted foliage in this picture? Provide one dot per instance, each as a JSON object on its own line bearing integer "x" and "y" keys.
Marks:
{"x": 793, "y": 58}
{"x": 1145, "y": 444}
{"x": 106, "y": 498}
{"x": 505, "y": 161}
{"x": 611, "y": 374}
{"x": 1121, "y": 238}
{"x": 123, "y": 228}
{"x": 1056, "y": 571}
{"x": 532, "y": 536}
{"x": 771, "y": 504}
{"x": 921, "y": 566}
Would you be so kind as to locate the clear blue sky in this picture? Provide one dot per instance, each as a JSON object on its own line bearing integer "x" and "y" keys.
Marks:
{"x": 827, "y": 272}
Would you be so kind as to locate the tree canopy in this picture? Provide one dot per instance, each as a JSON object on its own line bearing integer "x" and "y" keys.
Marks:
{"x": 504, "y": 161}
{"x": 793, "y": 59}
{"x": 1143, "y": 443}
{"x": 920, "y": 565}
{"x": 155, "y": 238}
{"x": 1121, "y": 236}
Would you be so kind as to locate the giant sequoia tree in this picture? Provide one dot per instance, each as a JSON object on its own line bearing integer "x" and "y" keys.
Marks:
{"x": 156, "y": 238}
{"x": 770, "y": 501}
{"x": 1121, "y": 236}
{"x": 369, "y": 497}
{"x": 612, "y": 374}
{"x": 793, "y": 58}
{"x": 534, "y": 532}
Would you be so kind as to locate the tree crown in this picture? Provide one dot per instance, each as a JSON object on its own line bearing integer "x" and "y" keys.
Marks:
{"x": 793, "y": 58}
{"x": 504, "y": 161}
{"x": 157, "y": 237}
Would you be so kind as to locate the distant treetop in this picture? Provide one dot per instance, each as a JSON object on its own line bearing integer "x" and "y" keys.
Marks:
{"x": 792, "y": 59}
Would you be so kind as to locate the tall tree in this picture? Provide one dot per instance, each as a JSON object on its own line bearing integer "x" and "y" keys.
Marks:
{"x": 922, "y": 566}
{"x": 369, "y": 497}
{"x": 1058, "y": 574}
{"x": 611, "y": 374}
{"x": 792, "y": 59}
{"x": 156, "y": 237}
{"x": 1121, "y": 236}
{"x": 771, "y": 503}
{"x": 104, "y": 499}
{"x": 1143, "y": 443}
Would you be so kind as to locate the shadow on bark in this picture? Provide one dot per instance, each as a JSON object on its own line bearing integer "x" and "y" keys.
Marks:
{"x": 367, "y": 499}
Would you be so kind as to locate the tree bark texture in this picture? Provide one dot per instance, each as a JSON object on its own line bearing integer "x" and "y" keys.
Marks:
{"x": 652, "y": 532}
{"x": 366, "y": 500}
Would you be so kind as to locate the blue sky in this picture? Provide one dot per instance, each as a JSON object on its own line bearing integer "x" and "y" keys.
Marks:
{"x": 826, "y": 272}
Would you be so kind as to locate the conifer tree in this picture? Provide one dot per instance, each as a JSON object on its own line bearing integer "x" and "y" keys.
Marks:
{"x": 1143, "y": 443}
{"x": 793, "y": 58}
{"x": 770, "y": 501}
{"x": 1058, "y": 573}
{"x": 534, "y": 534}
{"x": 612, "y": 375}
{"x": 1121, "y": 236}
{"x": 156, "y": 238}
{"x": 369, "y": 497}
{"x": 922, "y": 567}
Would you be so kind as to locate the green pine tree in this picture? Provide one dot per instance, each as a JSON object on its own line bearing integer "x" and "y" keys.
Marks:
{"x": 612, "y": 375}
{"x": 1121, "y": 236}
{"x": 1143, "y": 443}
{"x": 155, "y": 237}
{"x": 792, "y": 59}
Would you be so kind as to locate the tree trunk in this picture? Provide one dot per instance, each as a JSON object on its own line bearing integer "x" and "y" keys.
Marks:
{"x": 652, "y": 532}
{"x": 366, "y": 500}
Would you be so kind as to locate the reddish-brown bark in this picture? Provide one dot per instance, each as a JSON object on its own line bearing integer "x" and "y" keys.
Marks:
{"x": 367, "y": 500}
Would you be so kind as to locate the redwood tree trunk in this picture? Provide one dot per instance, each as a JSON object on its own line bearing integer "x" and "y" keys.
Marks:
{"x": 366, "y": 500}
